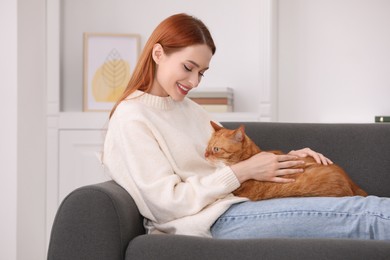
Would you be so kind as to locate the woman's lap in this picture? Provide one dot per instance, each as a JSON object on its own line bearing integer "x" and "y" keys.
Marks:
{"x": 346, "y": 217}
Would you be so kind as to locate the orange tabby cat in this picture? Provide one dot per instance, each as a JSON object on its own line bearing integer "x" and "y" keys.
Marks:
{"x": 231, "y": 146}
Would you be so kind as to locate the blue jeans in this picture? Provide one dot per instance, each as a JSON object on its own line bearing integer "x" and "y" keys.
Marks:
{"x": 346, "y": 217}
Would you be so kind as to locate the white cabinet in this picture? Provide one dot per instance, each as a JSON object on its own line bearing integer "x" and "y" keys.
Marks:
{"x": 73, "y": 142}
{"x": 79, "y": 165}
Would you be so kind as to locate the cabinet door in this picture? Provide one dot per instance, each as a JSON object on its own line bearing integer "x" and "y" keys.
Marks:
{"x": 79, "y": 162}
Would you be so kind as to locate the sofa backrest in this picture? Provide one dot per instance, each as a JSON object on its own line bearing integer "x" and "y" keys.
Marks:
{"x": 363, "y": 150}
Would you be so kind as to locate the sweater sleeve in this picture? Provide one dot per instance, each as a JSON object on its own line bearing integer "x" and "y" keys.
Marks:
{"x": 137, "y": 162}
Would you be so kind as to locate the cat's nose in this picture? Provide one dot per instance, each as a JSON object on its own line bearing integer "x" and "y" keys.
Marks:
{"x": 206, "y": 154}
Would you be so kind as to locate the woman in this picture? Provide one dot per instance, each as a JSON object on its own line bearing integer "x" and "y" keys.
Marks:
{"x": 155, "y": 144}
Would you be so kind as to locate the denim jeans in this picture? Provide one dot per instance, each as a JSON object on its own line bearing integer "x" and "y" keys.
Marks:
{"x": 346, "y": 217}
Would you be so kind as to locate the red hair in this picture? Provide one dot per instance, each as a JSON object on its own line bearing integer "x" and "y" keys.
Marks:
{"x": 174, "y": 33}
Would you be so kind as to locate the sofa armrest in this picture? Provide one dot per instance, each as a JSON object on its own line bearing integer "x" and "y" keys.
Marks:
{"x": 95, "y": 222}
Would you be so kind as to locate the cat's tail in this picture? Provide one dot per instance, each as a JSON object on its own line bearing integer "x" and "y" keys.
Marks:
{"x": 358, "y": 191}
{"x": 361, "y": 192}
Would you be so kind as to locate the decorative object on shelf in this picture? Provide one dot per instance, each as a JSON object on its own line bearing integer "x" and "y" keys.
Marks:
{"x": 382, "y": 119}
{"x": 109, "y": 60}
{"x": 214, "y": 100}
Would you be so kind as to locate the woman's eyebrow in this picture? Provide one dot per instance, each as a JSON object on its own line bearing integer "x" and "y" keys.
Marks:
{"x": 196, "y": 64}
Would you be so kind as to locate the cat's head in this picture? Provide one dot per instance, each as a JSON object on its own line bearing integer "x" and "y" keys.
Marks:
{"x": 225, "y": 146}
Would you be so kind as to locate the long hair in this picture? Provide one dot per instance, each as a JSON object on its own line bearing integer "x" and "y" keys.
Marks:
{"x": 174, "y": 33}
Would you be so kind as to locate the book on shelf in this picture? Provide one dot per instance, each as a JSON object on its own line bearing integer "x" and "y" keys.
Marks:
{"x": 382, "y": 119}
{"x": 215, "y": 100}
{"x": 211, "y": 93}
{"x": 218, "y": 108}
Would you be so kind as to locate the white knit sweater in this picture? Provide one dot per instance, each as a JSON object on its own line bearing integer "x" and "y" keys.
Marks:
{"x": 154, "y": 148}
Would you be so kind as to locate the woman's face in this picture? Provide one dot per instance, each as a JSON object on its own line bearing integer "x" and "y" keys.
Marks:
{"x": 179, "y": 72}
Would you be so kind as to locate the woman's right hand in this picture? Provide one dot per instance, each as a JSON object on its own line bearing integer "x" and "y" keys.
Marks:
{"x": 267, "y": 166}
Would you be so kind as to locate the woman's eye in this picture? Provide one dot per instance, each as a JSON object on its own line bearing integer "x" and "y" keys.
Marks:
{"x": 187, "y": 68}
{"x": 215, "y": 149}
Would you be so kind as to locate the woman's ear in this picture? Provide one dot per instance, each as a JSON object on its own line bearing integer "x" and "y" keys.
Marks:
{"x": 157, "y": 53}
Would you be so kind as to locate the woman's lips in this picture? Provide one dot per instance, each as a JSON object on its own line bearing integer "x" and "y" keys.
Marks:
{"x": 184, "y": 90}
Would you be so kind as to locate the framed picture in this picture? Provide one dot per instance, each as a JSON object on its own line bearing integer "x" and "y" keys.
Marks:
{"x": 109, "y": 60}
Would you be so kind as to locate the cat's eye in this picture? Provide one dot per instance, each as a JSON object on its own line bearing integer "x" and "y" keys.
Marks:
{"x": 215, "y": 149}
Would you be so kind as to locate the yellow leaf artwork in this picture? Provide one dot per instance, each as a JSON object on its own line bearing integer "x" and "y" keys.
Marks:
{"x": 111, "y": 78}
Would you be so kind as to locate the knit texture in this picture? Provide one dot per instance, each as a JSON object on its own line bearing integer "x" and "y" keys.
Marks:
{"x": 154, "y": 148}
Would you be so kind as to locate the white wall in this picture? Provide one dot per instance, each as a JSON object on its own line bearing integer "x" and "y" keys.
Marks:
{"x": 8, "y": 129}
{"x": 235, "y": 27}
{"x": 31, "y": 129}
{"x": 334, "y": 60}
{"x": 333, "y": 55}
{"x": 22, "y": 112}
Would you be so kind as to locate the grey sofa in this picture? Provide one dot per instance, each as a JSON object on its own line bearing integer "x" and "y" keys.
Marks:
{"x": 102, "y": 222}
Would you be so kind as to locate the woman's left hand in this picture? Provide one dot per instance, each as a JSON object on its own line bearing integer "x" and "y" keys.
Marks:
{"x": 318, "y": 157}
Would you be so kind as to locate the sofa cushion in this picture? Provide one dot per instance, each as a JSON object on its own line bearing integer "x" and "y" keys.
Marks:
{"x": 363, "y": 150}
{"x": 185, "y": 247}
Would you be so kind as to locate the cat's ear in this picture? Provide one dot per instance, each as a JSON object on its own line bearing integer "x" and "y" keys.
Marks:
{"x": 215, "y": 126}
{"x": 239, "y": 134}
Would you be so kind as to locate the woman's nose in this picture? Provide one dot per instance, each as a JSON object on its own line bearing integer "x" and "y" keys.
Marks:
{"x": 194, "y": 79}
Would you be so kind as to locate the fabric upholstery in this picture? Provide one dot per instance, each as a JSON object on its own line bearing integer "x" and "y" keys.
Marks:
{"x": 102, "y": 222}
{"x": 363, "y": 150}
{"x": 183, "y": 247}
{"x": 95, "y": 222}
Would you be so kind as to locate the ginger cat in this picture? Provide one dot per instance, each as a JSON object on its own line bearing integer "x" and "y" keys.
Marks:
{"x": 231, "y": 146}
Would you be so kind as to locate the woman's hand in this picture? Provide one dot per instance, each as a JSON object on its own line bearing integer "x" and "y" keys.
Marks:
{"x": 318, "y": 157}
{"x": 266, "y": 166}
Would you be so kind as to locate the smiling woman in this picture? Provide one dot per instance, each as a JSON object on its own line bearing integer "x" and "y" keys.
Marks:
{"x": 154, "y": 117}
{"x": 165, "y": 46}
{"x": 175, "y": 189}
{"x": 190, "y": 63}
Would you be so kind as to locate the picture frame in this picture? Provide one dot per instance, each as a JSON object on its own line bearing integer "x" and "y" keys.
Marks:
{"x": 109, "y": 61}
